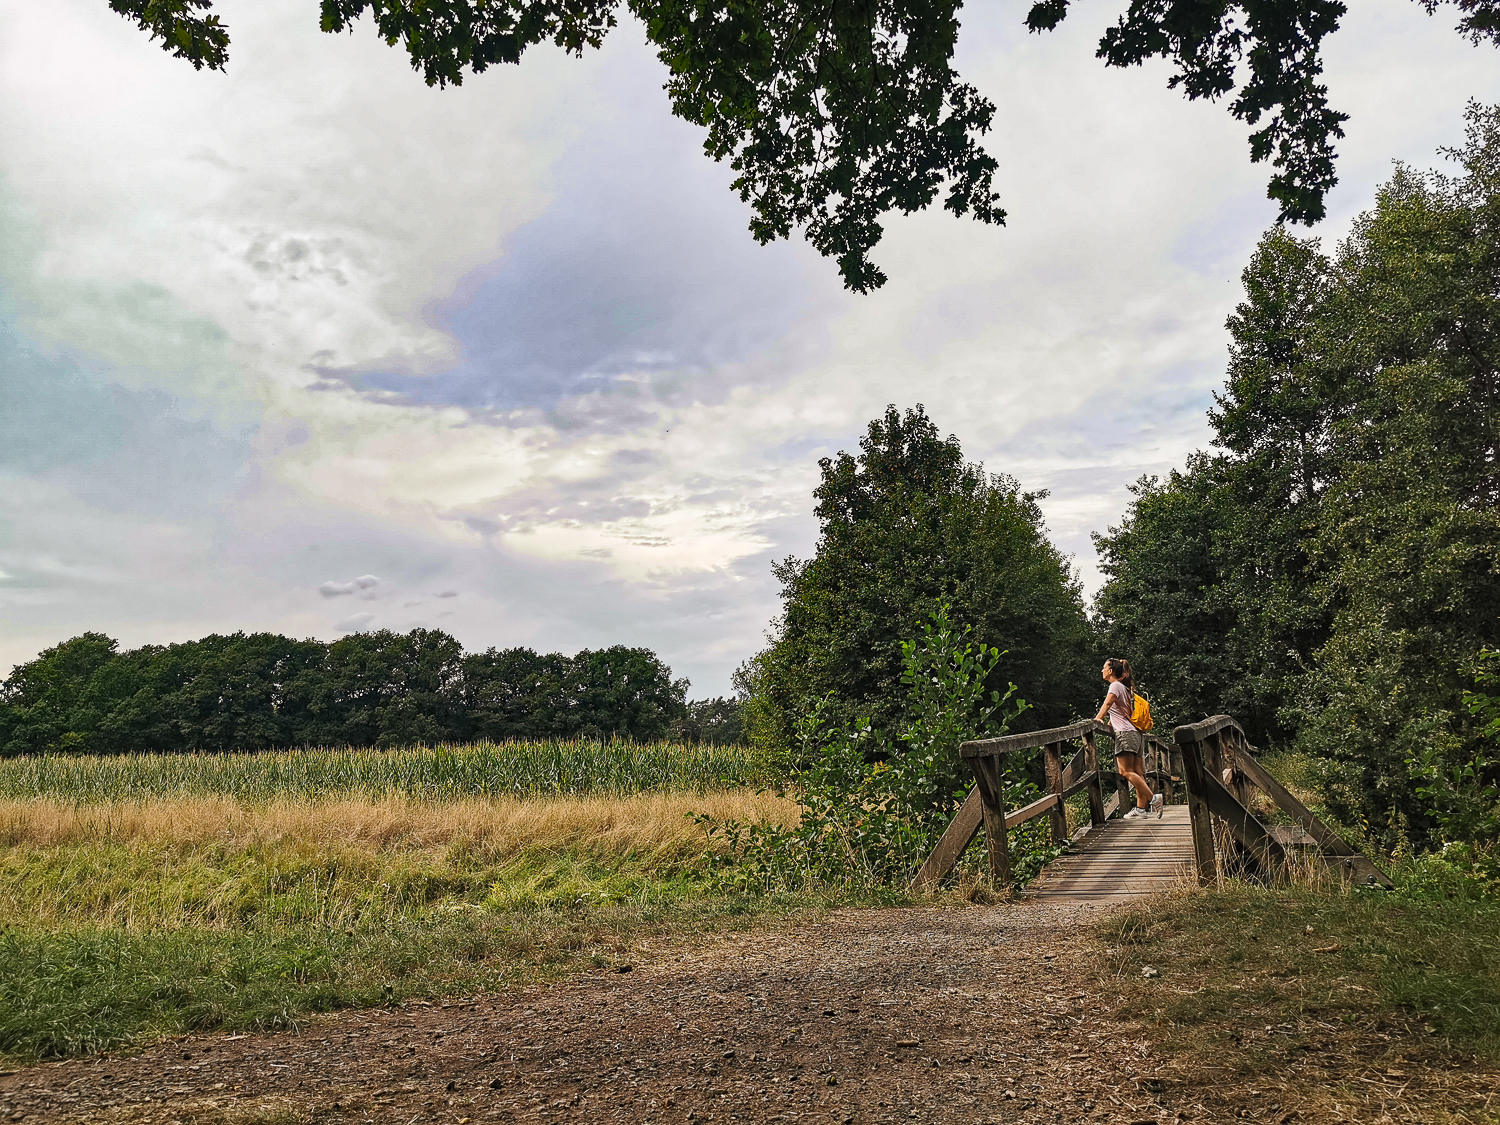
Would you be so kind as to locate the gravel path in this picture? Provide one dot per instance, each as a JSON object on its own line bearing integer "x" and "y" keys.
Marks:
{"x": 985, "y": 1014}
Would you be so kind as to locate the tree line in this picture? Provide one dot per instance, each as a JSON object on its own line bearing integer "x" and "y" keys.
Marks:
{"x": 1330, "y": 572}
{"x": 261, "y": 691}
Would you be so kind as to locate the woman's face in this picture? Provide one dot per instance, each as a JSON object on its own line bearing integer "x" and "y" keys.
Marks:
{"x": 1105, "y": 672}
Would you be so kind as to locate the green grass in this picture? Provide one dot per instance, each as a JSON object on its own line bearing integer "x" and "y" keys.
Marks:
{"x": 116, "y": 930}
{"x": 79, "y": 990}
{"x": 1382, "y": 974}
{"x": 111, "y": 944}
{"x": 523, "y": 769}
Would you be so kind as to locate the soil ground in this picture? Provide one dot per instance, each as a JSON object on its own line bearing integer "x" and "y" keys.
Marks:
{"x": 994, "y": 1014}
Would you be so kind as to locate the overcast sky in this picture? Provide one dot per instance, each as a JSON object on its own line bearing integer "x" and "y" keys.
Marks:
{"x": 309, "y": 347}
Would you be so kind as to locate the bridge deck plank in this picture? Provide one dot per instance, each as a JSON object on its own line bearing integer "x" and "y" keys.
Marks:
{"x": 1121, "y": 860}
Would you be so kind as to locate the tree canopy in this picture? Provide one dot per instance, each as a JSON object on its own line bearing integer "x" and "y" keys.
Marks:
{"x": 907, "y": 527}
{"x": 261, "y": 691}
{"x": 834, "y": 115}
{"x": 1333, "y": 575}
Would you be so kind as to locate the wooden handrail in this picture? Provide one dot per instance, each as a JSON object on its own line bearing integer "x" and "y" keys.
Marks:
{"x": 1204, "y": 729}
{"x": 1217, "y": 759}
{"x": 1010, "y": 743}
{"x": 985, "y": 805}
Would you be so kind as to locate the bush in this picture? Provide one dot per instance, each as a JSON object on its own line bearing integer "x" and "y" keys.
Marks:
{"x": 875, "y": 800}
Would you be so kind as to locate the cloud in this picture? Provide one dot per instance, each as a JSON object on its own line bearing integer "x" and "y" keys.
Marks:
{"x": 364, "y": 586}
{"x": 311, "y": 318}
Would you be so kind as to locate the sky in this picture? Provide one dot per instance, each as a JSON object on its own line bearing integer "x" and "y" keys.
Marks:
{"x": 308, "y": 347}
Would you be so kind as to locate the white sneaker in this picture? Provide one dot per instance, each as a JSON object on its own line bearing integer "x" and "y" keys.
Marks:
{"x": 1156, "y": 806}
{"x": 1136, "y": 813}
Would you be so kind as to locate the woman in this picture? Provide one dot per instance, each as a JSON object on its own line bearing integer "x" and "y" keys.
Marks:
{"x": 1119, "y": 705}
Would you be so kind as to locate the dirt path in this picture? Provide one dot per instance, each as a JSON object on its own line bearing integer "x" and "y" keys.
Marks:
{"x": 868, "y": 1016}
{"x": 979, "y": 1015}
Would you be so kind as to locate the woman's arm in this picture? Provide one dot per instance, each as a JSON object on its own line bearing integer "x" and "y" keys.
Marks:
{"x": 1109, "y": 698}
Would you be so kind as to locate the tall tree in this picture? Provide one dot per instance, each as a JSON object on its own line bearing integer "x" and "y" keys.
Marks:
{"x": 834, "y": 115}
{"x": 1164, "y": 605}
{"x": 1410, "y": 531}
{"x": 1346, "y": 544}
{"x": 906, "y": 526}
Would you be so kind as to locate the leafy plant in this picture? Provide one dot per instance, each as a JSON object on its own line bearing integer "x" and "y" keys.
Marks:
{"x": 875, "y": 800}
{"x": 1462, "y": 780}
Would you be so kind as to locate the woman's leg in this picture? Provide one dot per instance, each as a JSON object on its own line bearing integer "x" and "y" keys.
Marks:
{"x": 1129, "y": 766}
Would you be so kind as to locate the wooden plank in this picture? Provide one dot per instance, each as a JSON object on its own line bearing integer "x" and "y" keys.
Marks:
{"x": 955, "y": 841}
{"x": 1052, "y": 753}
{"x": 1097, "y": 815}
{"x": 1246, "y": 829}
{"x": 1010, "y": 743}
{"x": 1333, "y": 845}
{"x": 1033, "y": 810}
{"x": 992, "y": 798}
{"x": 1198, "y": 732}
{"x": 1193, "y": 778}
{"x": 1083, "y": 782}
{"x": 1291, "y": 836}
{"x": 1078, "y": 765}
{"x": 1123, "y": 859}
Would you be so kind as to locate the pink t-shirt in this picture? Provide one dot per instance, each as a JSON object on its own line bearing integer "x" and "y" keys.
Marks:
{"x": 1121, "y": 707}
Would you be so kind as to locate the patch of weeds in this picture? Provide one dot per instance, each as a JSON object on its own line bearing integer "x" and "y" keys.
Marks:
{"x": 1318, "y": 994}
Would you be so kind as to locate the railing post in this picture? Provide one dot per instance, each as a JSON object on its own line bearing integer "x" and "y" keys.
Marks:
{"x": 988, "y": 776}
{"x": 1198, "y": 814}
{"x": 1059, "y": 814}
{"x": 1237, "y": 860}
{"x": 1096, "y": 790}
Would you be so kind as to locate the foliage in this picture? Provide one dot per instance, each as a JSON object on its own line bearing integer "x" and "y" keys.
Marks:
{"x": 1160, "y": 606}
{"x": 907, "y": 526}
{"x": 834, "y": 115}
{"x": 260, "y": 691}
{"x": 717, "y": 722}
{"x": 1462, "y": 786}
{"x": 1338, "y": 566}
{"x": 874, "y": 802}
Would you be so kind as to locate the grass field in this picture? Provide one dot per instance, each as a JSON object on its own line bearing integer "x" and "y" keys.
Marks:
{"x": 143, "y": 896}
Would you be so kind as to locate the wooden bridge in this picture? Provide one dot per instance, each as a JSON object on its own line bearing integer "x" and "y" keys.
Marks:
{"x": 1236, "y": 819}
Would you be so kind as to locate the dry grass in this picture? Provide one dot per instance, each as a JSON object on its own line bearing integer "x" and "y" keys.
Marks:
{"x": 122, "y": 920}
{"x": 645, "y": 823}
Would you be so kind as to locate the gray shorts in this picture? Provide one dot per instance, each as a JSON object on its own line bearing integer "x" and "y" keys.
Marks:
{"x": 1129, "y": 742}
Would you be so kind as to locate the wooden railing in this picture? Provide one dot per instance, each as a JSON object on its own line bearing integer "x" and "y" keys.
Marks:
{"x": 985, "y": 806}
{"x": 1219, "y": 769}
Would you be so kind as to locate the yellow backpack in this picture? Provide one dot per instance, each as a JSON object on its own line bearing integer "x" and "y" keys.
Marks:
{"x": 1140, "y": 718}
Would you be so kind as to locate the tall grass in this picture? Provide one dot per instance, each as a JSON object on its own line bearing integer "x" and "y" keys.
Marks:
{"x": 143, "y": 895}
{"x": 443, "y": 773}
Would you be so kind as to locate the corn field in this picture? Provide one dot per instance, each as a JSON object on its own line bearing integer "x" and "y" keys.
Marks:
{"x": 515, "y": 769}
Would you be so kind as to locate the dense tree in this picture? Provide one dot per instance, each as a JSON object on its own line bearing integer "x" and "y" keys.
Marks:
{"x": 906, "y": 526}
{"x": 834, "y": 115}
{"x": 1161, "y": 606}
{"x": 1339, "y": 564}
{"x": 717, "y": 722}
{"x": 1410, "y": 528}
{"x": 262, "y": 691}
